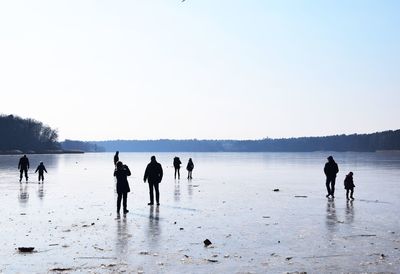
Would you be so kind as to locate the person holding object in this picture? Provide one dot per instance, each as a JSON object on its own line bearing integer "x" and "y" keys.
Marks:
{"x": 23, "y": 166}
{"x": 153, "y": 175}
{"x": 121, "y": 173}
{"x": 41, "y": 168}
{"x": 331, "y": 169}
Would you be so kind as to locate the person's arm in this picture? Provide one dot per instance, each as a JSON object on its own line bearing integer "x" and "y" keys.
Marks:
{"x": 44, "y": 168}
{"x": 128, "y": 172}
{"x": 160, "y": 172}
{"x": 146, "y": 174}
{"x": 27, "y": 162}
{"x": 38, "y": 169}
{"x": 19, "y": 164}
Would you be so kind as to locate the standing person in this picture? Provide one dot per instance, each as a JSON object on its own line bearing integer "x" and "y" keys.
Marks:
{"x": 189, "y": 168}
{"x": 177, "y": 166}
{"x": 153, "y": 175}
{"x": 331, "y": 169}
{"x": 349, "y": 185}
{"x": 23, "y": 166}
{"x": 116, "y": 158}
{"x": 121, "y": 173}
{"x": 41, "y": 168}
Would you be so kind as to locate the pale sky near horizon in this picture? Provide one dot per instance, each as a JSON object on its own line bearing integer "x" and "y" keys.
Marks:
{"x": 205, "y": 69}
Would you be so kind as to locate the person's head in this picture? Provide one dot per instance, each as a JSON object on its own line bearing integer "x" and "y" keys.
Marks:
{"x": 153, "y": 158}
{"x": 350, "y": 174}
{"x": 190, "y": 159}
{"x": 119, "y": 165}
{"x": 41, "y": 163}
{"x": 25, "y": 155}
{"x": 330, "y": 158}
{"x": 117, "y": 152}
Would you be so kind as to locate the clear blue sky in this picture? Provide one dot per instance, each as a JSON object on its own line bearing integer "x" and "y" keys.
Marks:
{"x": 201, "y": 69}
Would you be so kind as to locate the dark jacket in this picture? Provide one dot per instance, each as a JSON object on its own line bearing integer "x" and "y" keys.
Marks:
{"x": 153, "y": 173}
{"x": 177, "y": 162}
{"x": 41, "y": 168}
{"x": 23, "y": 163}
{"x": 190, "y": 166}
{"x": 348, "y": 182}
{"x": 331, "y": 169}
{"x": 122, "y": 180}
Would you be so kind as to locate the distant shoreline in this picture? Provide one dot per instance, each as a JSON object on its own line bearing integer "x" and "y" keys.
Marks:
{"x": 19, "y": 152}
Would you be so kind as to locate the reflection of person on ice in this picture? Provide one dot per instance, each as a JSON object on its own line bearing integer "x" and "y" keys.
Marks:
{"x": 41, "y": 168}
{"x": 23, "y": 166}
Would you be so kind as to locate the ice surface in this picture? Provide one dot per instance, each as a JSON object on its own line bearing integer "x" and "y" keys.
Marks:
{"x": 72, "y": 223}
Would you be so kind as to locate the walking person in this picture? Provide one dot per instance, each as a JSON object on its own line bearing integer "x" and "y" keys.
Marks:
{"x": 189, "y": 168}
{"x": 177, "y": 166}
{"x": 331, "y": 169}
{"x": 153, "y": 175}
{"x": 349, "y": 185}
{"x": 23, "y": 166}
{"x": 41, "y": 168}
{"x": 121, "y": 173}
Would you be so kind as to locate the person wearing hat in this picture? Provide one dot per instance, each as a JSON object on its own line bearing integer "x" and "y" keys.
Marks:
{"x": 331, "y": 169}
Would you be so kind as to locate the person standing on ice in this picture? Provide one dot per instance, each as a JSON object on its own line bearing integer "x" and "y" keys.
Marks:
{"x": 153, "y": 175}
{"x": 23, "y": 166}
{"x": 121, "y": 173}
{"x": 331, "y": 169}
{"x": 177, "y": 166}
{"x": 41, "y": 168}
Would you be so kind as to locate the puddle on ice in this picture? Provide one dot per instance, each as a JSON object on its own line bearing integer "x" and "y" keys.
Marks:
{"x": 71, "y": 219}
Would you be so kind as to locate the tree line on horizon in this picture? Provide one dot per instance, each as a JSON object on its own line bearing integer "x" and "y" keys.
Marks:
{"x": 26, "y": 135}
{"x": 386, "y": 140}
{"x": 30, "y": 136}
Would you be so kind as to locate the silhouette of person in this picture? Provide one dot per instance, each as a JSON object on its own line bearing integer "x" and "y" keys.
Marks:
{"x": 349, "y": 185}
{"x": 116, "y": 158}
{"x": 153, "y": 175}
{"x": 41, "y": 168}
{"x": 177, "y": 166}
{"x": 121, "y": 173}
{"x": 189, "y": 168}
{"x": 23, "y": 166}
{"x": 331, "y": 169}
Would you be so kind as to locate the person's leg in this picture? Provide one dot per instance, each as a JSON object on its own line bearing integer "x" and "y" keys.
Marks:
{"x": 119, "y": 202}
{"x": 190, "y": 174}
{"x": 157, "y": 193}
{"x": 351, "y": 193}
{"x": 125, "y": 202}
{"x": 347, "y": 194}
{"x": 179, "y": 174}
{"x": 21, "y": 172}
{"x": 333, "y": 187}
{"x": 26, "y": 174}
{"x": 151, "y": 193}
{"x": 175, "y": 173}
{"x": 328, "y": 189}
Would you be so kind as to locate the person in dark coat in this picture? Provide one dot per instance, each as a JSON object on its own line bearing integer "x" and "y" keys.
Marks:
{"x": 189, "y": 168}
{"x": 330, "y": 170}
{"x": 116, "y": 158}
{"x": 121, "y": 173}
{"x": 153, "y": 175}
{"x": 349, "y": 185}
{"x": 41, "y": 168}
{"x": 177, "y": 166}
{"x": 23, "y": 166}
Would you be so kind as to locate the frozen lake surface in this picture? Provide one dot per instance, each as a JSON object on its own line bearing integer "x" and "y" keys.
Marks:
{"x": 72, "y": 223}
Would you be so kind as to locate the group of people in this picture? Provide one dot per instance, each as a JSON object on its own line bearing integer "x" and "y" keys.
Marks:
{"x": 23, "y": 166}
{"x": 331, "y": 169}
{"x": 177, "y": 166}
{"x": 153, "y": 175}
